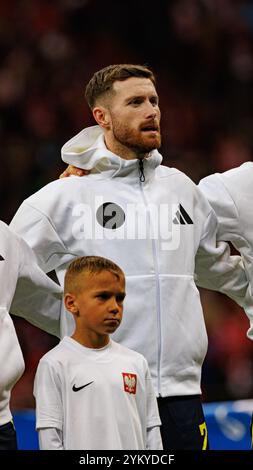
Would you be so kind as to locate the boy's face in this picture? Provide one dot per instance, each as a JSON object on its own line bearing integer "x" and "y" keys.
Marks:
{"x": 98, "y": 303}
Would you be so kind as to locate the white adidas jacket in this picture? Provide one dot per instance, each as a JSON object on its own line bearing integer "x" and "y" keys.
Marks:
{"x": 26, "y": 291}
{"x": 153, "y": 230}
{"x": 231, "y": 196}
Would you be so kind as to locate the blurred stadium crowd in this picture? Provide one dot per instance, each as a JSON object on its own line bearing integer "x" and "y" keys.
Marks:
{"x": 202, "y": 54}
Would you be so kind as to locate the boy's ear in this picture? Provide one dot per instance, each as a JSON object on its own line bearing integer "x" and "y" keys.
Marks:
{"x": 70, "y": 303}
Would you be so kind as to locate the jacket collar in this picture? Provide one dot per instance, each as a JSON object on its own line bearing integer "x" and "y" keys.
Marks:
{"x": 87, "y": 150}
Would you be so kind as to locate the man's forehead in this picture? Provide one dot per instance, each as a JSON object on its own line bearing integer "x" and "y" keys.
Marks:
{"x": 134, "y": 86}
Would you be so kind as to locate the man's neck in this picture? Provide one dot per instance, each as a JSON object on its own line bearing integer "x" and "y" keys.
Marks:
{"x": 122, "y": 151}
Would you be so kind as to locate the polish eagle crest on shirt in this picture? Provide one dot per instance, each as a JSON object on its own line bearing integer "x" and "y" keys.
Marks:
{"x": 130, "y": 382}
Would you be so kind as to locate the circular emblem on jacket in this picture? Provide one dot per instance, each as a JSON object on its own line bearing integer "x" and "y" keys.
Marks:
{"x": 110, "y": 215}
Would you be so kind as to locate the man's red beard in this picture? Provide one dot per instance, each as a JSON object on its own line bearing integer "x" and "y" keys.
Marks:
{"x": 139, "y": 141}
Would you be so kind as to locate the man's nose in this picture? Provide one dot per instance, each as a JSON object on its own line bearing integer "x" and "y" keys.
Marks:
{"x": 151, "y": 111}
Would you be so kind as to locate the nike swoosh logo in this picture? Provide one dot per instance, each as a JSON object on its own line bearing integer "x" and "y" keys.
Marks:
{"x": 76, "y": 389}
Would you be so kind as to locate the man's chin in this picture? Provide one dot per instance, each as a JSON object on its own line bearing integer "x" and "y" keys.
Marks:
{"x": 149, "y": 147}
{"x": 152, "y": 142}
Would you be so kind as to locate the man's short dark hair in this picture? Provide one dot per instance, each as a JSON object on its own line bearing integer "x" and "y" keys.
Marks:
{"x": 103, "y": 80}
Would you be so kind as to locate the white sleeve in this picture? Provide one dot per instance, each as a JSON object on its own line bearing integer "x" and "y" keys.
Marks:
{"x": 215, "y": 268}
{"x": 48, "y": 395}
{"x": 229, "y": 228}
{"x": 40, "y": 234}
{"x": 224, "y": 207}
{"x": 11, "y": 362}
{"x": 154, "y": 440}
{"x": 153, "y": 436}
{"x": 50, "y": 439}
{"x": 11, "y": 358}
{"x": 37, "y": 298}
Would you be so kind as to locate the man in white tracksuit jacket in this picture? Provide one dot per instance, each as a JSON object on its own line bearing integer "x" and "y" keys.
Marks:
{"x": 231, "y": 196}
{"x": 154, "y": 222}
{"x": 26, "y": 291}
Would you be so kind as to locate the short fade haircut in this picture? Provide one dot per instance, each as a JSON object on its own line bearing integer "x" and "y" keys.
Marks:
{"x": 89, "y": 264}
{"x": 103, "y": 80}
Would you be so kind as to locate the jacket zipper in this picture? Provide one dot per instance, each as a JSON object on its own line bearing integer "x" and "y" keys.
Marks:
{"x": 141, "y": 171}
{"x": 158, "y": 303}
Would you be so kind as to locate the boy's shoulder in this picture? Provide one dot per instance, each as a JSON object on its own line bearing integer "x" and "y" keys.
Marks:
{"x": 124, "y": 351}
{"x": 55, "y": 354}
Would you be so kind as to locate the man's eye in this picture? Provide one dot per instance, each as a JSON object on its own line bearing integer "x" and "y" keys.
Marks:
{"x": 135, "y": 102}
{"x": 154, "y": 101}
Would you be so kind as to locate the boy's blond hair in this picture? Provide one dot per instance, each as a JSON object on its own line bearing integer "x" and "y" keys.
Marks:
{"x": 89, "y": 264}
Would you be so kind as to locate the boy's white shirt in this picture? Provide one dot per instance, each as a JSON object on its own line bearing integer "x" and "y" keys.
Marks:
{"x": 52, "y": 439}
{"x": 104, "y": 413}
{"x": 231, "y": 196}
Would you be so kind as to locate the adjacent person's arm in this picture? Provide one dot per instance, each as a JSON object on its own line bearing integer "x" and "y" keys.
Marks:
{"x": 37, "y": 229}
{"x": 231, "y": 227}
{"x": 216, "y": 269}
{"x": 73, "y": 170}
{"x": 37, "y": 298}
{"x": 224, "y": 207}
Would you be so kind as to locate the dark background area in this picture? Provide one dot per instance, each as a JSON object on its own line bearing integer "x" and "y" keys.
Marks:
{"x": 202, "y": 54}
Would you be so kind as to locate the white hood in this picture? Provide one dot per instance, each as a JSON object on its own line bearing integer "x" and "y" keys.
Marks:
{"x": 87, "y": 150}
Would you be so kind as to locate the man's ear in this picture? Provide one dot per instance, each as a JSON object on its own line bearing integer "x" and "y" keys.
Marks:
{"x": 71, "y": 303}
{"x": 102, "y": 116}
